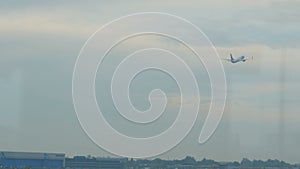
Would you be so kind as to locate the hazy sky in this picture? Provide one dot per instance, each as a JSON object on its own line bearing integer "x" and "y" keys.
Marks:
{"x": 40, "y": 41}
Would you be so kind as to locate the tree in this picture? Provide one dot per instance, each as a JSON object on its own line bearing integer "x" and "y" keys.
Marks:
{"x": 189, "y": 160}
{"x": 246, "y": 162}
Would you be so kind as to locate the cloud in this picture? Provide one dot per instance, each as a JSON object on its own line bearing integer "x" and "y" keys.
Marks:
{"x": 237, "y": 23}
{"x": 42, "y": 23}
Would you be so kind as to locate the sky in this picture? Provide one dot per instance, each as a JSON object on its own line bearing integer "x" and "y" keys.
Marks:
{"x": 40, "y": 42}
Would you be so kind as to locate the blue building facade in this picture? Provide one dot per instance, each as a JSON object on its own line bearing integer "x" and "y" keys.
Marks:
{"x": 32, "y": 160}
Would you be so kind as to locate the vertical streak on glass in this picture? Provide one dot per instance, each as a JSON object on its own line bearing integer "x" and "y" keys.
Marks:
{"x": 282, "y": 102}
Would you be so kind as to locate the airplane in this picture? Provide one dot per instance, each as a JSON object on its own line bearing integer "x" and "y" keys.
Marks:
{"x": 236, "y": 60}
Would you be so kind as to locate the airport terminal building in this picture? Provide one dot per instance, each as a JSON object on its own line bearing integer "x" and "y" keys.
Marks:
{"x": 31, "y": 160}
{"x": 21, "y": 160}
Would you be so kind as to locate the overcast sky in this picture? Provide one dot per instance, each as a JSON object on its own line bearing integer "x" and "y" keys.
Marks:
{"x": 40, "y": 41}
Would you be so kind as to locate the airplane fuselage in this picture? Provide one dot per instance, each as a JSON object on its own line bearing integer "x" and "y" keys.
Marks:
{"x": 239, "y": 59}
{"x": 236, "y": 60}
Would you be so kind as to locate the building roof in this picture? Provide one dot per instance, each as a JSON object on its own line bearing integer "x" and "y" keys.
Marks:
{"x": 31, "y": 155}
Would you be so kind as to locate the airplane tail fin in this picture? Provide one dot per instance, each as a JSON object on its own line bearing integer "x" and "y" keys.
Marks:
{"x": 231, "y": 57}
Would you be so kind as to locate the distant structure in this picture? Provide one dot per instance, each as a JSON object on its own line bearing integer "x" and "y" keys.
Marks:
{"x": 21, "y": 160}
{"x": 28, "y": 160}
{"x": 31, "y": 160}
{"x": 82, "y": 162}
